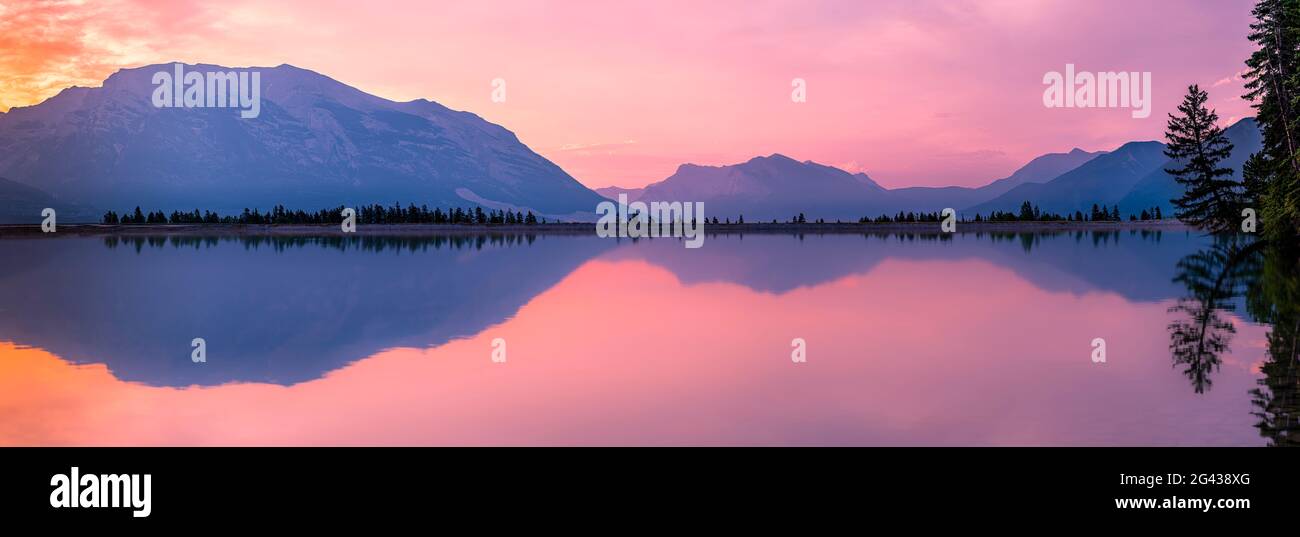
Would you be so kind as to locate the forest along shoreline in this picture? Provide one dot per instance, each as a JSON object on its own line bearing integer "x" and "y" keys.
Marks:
{"x": 317, "y": 230}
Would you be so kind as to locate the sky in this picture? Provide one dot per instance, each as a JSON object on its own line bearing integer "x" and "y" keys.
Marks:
{"x": 619, "y": 92}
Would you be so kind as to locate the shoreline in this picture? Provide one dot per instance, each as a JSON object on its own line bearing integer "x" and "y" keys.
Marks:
{"x": 378, "y": 230}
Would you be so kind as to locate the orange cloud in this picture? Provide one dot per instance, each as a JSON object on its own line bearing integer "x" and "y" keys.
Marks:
{"x": 49, "y": 45}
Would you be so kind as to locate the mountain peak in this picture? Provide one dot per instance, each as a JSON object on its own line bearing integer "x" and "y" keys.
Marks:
{"x": 773, "y": 158}
{"x": 318, "y": 142}
{"x": 1242, "y": 124}
{"x": 1139, "y": 145}
{"x": 772, "y": 186}
{"x": 1105, "y": 179}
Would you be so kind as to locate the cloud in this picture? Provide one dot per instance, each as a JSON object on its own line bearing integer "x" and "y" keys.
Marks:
{"x": 852, "y": 166}
{"x": 1235, "y": 78}
{"x": 49, "y": 45}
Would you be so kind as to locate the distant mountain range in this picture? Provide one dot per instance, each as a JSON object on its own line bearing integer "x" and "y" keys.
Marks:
{"x": 775, "y": 186}
{"x": 1132, "y": 177}
{"x": 612, "y": 192}
{"x": 320, "y": 143}
{"x": 780, "y": 187}
{"x": 17, "y": 198}
{"x": 1102, "y": 180}
{"x": 1039, "y": 170}
{"x": 317, "y": 143}
{"x": 1158, "y": 187}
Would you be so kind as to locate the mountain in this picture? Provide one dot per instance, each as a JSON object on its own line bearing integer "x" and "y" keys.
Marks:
{"x": 1103, "y": 180}
{"x": 612, "y": 192}
{"x": 22, "y": 203}
{"x": 868, "y": 182}
{"x": 1158, "y": 187}
{"x": 1132, "y": 177}
{"x": 1039, "y": 170}
{"x": 775, "y": 186}
{"x": 316, "y": 143}
{"x": 780, "y": 187}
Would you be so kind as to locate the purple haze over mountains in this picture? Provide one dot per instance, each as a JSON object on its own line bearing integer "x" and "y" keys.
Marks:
{"x": 1131, "y": 177}
{"x": 779, "y": 187}
{"x": 321, "y": 143}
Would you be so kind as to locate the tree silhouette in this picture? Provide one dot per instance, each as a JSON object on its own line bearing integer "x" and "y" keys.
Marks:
{"x": 1197, "y": 341}
{"x": 1272, "y": 86}
{"x": 1274, "y": 298}
{"x": 1211, "y": 198}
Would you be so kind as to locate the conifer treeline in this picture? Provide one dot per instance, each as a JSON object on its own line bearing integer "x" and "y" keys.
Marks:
{"x": 1271, "y": 177}
{"x": 366, "y": 214}
{"x": 1270, "y": 180}
{"x": 412, "y": 244}
{"x": 1028, "y": 213}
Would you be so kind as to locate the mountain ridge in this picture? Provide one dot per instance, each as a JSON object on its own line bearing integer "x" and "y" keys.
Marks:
{"x": 1062, "y": 183}
{"x": 857, "y": 194}
{"x": 1103, "y": 180}
{"x": 317, "y": 142}
{"x": 1158, "y": 188}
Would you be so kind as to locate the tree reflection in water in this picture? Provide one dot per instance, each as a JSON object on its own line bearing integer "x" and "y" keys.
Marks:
{"x": 1267, "y": 276}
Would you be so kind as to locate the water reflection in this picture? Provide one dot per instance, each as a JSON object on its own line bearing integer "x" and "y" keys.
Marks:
{"x": 1267, "y": 277}
{"x": 272, "y": 309}
{"x": 1136, "y": 267}
{"x": 1213, "y": 278}
{"x": 974, "y": 339}
{"x": 1275, "y": 299}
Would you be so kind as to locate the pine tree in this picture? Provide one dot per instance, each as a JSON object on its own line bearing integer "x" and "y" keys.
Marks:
{"x": 1196, "y": 141}
{"x": 1272, "y": 77}
{"x": 1026, "y": 211}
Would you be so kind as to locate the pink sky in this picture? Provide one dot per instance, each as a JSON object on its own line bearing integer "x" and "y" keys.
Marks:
{"x": 620, "y": 93}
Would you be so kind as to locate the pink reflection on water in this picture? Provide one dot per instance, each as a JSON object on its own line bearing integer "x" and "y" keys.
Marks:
{"x": 620, "y": 352}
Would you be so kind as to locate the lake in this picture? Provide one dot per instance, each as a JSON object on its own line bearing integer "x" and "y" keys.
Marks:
{"x": 759, "y": 339}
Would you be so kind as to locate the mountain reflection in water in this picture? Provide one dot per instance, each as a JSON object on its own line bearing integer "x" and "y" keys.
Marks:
{"x": 913, "y": 339}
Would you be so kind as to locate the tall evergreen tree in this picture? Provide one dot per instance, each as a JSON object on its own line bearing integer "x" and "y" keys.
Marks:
{"x": 1211, "y": 199}
{"x": 1272, "y": 81}
{"x": 1026, "y": 211}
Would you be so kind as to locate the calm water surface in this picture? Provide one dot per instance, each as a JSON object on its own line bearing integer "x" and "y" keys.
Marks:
{"x": 911, "y": 340}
